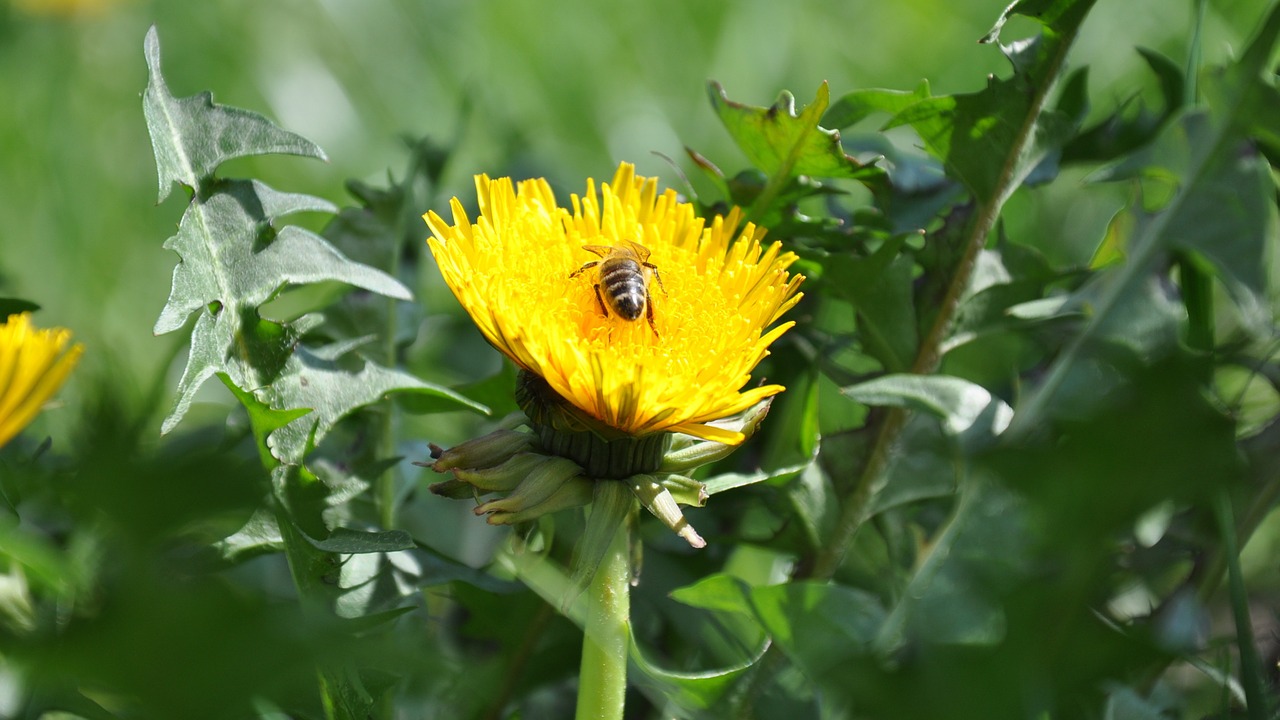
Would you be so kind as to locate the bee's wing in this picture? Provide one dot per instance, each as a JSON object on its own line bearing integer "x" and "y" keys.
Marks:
{"x": 642, "y": 252}
{"x": 601, "y": 250}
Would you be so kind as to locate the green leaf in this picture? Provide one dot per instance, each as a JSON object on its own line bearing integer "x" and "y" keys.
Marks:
{"x": 960, "y": 404}
{"x": 1057, "y": 15}
{"x": 15, "y": 306}
{"x": 354, "y": 542}
{"x": 815, "y": 503}
{"x": 1129, "y": 128}
{"x": 383, "y": 231}
{"x": 973, "y": 133}
{"x": 856, "y": 106}
{"x": 263, "y": 420}
{"x": 722, "y": 592}
{"x": 928, "y": 464}
{"x": 731, "y": 481}
{"x": 230, "y": 254}
{"x": 1222, "y": 207}
{"x": 233, "y": 259}
{"x": 794, "y": 435}
{"x": 335, "y": 385}
{"x": 261, "y": 348}
{"x": 880, "y": 289}
{"x": 611, "y": 508}
{"x": 818, "y": 625}
{"x": 781, "y": 143}
{"x": 192, "y": 136}
{"x": 39, "y": 558}
{"x": 1146, "y": 318}
{"x": 496, "y": 392}
{"x": 1124, "y": 703}
{"x": 953, "y": 596}
{"x": 259, "y": 536}
{"x": 693, "y": 691}
{"x": 1224, "y": 211}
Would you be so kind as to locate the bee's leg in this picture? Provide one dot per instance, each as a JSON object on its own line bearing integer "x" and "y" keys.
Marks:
{"x": 657, "y": 275}
{"x": 588, "y": 266}
{"x": 648, "y": 313}
{"x": 600, "y": 299}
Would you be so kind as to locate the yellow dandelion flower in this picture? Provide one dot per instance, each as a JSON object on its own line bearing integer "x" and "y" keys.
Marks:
{"x": 715, "y": 296}
{"x": 65, "y": 8}
{"x": 33, "y": 365}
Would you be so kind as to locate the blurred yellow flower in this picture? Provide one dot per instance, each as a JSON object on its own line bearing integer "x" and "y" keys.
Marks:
{"x": 33, "y": 365}
{"x": 64, "y": 8}
{"x": 714, "y": 296}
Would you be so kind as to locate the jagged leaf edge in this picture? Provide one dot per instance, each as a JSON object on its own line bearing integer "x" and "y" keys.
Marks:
{"x": 174, "y": 162}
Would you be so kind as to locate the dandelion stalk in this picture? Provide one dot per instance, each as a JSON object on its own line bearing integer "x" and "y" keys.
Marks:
{"x": 602, "y": 677}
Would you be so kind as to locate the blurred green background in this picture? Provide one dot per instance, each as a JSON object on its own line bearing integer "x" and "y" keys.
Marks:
{"x": 524, "y": 87}
{"x": 560, "y": 89}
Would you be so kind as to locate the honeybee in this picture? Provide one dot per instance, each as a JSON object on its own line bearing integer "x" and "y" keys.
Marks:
{"x": 624, "y": 272}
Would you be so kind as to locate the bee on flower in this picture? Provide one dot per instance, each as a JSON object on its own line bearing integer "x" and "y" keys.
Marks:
{"x": 600, "y": 388}
{"x": 624, "y": 272}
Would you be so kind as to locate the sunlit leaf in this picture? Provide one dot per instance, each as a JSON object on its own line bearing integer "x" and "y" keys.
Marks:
{"x": 731, "y": 481}
{"x": 192, "y": 136}
{"x": 780, "y": 142}
{"x": 232, "y": 258}
{"x": 259, "y": 536}
{"x": 960, "y": 404}
{"x": 716, "y": 592}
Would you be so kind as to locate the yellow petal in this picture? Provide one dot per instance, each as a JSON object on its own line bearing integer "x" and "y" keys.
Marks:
{"x": 33, "y": 365}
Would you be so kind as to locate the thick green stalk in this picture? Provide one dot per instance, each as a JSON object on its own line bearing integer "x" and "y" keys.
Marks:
{"x": 309, "y": 568}
{"x": 602, "y": 677}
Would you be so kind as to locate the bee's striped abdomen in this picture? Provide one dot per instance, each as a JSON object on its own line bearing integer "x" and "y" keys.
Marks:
{"x": 623, "y": 283}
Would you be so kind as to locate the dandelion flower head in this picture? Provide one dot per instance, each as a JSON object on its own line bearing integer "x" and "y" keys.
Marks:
{"x": 716, "y": 308}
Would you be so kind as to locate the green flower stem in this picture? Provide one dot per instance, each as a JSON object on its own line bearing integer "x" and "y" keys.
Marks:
{"x": 602, "y": 678}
